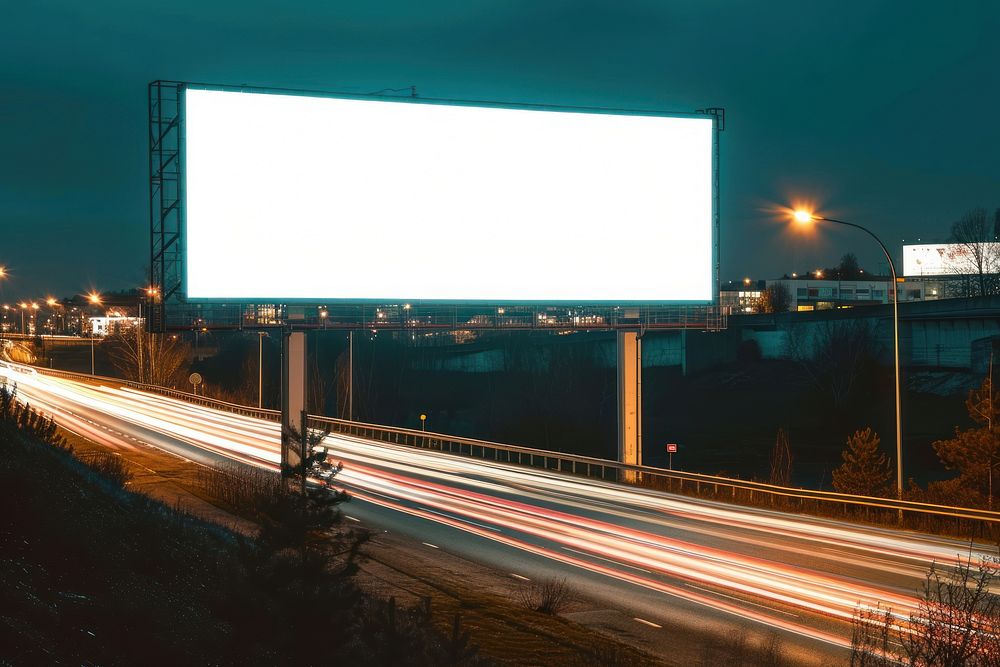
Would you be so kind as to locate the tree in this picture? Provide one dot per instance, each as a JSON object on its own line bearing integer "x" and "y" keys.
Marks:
{"x": 983, "y": 403}
{"x": 775, "y": 299}
{"x": 979, "y": 250}
{"x": 781, "y": 460}
{"x": 956, "y": 624}
{"x": 157, "y": 359}
{"x": 975, "y": 452}
{"x": 849, "y": 268}
{"x": 838, "y": 356}
{"x": 22, "y": 417}
{"x": 865, "y": 471}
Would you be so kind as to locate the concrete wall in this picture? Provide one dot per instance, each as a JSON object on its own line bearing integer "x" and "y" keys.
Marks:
{"x": 933, "y": 334}
{"x": 953, "y": 333}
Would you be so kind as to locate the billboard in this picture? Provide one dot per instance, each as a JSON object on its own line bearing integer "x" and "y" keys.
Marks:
{"x": 948, "y": 259}
{"x": 337, "y": 199}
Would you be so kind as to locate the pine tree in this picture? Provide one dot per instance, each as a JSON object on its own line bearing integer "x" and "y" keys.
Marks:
{"x": 983, "y": 404}
{"x": 865, "y": 470}
{"x": 975, "y": 452}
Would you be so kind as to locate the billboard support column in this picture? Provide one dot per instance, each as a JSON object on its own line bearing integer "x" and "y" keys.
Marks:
{"x": 293, "y": 400}
{"x": 629, "y": 401}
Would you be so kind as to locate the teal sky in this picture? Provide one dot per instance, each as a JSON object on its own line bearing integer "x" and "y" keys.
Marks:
{"x": 884, "y": 112}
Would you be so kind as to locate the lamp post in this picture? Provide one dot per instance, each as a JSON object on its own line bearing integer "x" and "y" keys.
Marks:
{"x": 3, "y": 274}
{"x": 350, "y": 375}
{"x": 146, "y": 295}
{"x": 260, "y": 368}
{"x": 805, "y": 217}
{"x": 95, "y": 299}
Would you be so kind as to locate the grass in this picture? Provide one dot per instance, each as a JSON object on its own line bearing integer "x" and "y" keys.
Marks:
{"x": 95, "y": 574}
{"x": 98, "y": 574}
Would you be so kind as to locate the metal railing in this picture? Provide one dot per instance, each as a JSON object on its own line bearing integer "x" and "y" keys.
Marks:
{"x": 711, "y": 487}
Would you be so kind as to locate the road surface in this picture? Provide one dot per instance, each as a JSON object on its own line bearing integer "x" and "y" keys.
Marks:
{"x": 667, "y": 561}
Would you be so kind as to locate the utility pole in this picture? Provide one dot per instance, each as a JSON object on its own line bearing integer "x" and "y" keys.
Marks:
{"x": 350, "y": 375}
{"x": 138, "y": 339}
{"x": 260, "y": 368}
{"x": 989, "y": 425}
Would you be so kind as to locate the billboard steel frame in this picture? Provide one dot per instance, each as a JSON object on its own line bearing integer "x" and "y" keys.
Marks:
{"x": 166, "y": 198}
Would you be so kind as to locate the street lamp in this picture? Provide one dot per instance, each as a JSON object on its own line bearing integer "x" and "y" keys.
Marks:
{"x": 802, "y": 216}
{"x": 95, "y": 299}
{"x": 59, "y": 310}
{"x": 260, "y": 368}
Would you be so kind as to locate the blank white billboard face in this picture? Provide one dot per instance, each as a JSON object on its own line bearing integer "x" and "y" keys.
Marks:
{"x": 324, "y": 199}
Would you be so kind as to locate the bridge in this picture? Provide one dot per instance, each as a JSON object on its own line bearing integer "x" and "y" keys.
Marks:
{"x": 666, "y": 558}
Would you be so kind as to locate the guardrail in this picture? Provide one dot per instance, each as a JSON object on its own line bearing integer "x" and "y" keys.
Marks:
{"x": 672, "y": 480}
{"x": 822, "y": 503}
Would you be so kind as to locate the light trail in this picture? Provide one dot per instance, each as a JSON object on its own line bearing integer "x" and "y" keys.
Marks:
{"x": 800, "y": 574}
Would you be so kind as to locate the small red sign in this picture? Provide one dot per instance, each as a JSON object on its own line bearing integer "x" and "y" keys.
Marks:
{"x": 672, "y": 448}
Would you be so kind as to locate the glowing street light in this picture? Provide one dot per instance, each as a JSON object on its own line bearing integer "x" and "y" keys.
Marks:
{"x": 95, "y": 299}
{"x": 804, "y": 217}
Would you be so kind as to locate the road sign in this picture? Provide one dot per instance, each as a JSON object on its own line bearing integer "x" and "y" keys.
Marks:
{"x": 195, "y": 380}
{"x": 671, "y": 450}
{"x": 423, "y": 420}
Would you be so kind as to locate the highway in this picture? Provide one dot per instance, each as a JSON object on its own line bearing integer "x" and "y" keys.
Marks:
{"x": 664, "y": 560}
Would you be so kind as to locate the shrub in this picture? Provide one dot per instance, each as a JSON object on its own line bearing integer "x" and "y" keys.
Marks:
{"x": 110, "y": 466}
{"x": 548, "y": 596}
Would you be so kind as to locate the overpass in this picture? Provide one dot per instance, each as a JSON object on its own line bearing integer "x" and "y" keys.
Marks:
{"x": 661, "y": 558}
{"x": 947, "y": 333}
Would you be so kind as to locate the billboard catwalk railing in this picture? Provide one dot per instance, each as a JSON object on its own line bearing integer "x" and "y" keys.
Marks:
{"x": 416, "y": 317}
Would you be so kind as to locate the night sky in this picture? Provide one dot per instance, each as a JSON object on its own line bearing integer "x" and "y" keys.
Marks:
{"x": 883, "y": 112}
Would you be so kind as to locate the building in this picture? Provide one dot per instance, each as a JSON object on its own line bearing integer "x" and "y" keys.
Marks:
{"x": 113, "y": 324}
{"x": 817, "y": 294}
{"x": 742, "y": 296}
